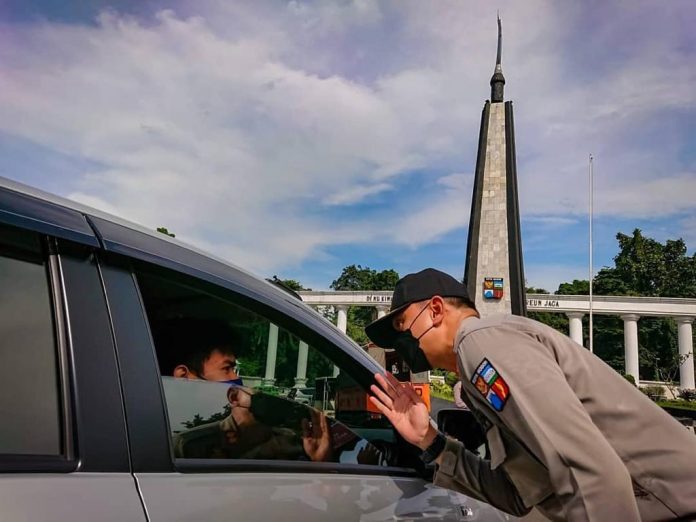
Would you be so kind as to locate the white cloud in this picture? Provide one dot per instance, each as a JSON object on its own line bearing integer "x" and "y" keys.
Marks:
{"x": 456, "y": 181}
{"x": 551, "y": 221}
{"x": 432, "y": 219}
{"x": 209, "y": 137}
{"x": 652, "y": 198}
{"x": 356, "y": 194}
{"x": 239, "y": 127}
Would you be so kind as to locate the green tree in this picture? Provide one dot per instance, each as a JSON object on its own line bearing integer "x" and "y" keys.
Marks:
{"x": 557, "y": 321}
{"x": 650, "y": 268}
{"x": 642, "y": 267}
{"x": 198, "y": 420}
{"x": 166, "y": 232}
{"x": 451, "y": 379}
{"x": 355, "y": 277}
{"x": 577, "y": 287}
{"x": 290, "y": 284}
{"x": 645, "y": 267}
{"x": 294, "y": 285}
{"x": 359, "y": 278}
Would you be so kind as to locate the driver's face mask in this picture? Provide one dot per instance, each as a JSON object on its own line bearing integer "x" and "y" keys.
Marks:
{"x": 234, "y": 382}
{"x": 409, "y": 347}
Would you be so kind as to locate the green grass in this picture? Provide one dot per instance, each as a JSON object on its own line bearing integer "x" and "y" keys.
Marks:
{"x": 442, "y": 394}
{"x": 682, "y": 405}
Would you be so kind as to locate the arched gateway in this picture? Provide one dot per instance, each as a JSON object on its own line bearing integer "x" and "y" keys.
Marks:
{"x": 630, "y": 309}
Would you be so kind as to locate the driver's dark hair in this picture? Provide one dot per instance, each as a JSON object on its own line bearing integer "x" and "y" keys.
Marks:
{"x": 190, "y": 341}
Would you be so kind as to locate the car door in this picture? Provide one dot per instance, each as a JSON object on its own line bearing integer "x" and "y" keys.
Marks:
{"x": 190, "y": 466}
{"x": 63, "y": 447}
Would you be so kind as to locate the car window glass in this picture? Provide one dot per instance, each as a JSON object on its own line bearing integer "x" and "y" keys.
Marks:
{"x": 29, "y": 389}
{"x": 285, "y": 399}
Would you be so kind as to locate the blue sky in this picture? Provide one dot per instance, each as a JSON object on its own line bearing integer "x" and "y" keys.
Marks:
{"x": 295, "y": 138}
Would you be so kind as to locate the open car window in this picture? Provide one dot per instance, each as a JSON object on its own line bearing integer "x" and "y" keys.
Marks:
{"x": 204, "y": 426}
{"x": 286, "y": 399}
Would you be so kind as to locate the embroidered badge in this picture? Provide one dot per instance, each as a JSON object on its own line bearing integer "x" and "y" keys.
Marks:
{"x": 481, "y": 385}
{"x": 491, "y": 385}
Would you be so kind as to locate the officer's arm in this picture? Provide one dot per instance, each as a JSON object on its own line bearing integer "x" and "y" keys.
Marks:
{"x": 461, "y": 470}
{"x": 543, "y": 412}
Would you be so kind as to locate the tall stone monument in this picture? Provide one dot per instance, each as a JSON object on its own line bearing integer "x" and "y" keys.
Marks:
{"x": 494, "y": 273}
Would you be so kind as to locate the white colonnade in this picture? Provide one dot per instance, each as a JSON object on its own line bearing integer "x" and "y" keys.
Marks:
{"x": 630, "y": 309}
{"x": 686, "y": 353}
{"x": 631, "y": 345}
{"x": 302, "y": 354}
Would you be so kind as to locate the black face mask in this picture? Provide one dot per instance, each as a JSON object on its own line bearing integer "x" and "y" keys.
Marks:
{"x": 409, "y": 348}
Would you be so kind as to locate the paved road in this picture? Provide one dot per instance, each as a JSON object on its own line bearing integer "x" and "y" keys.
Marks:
{"x": 437, "y": 404}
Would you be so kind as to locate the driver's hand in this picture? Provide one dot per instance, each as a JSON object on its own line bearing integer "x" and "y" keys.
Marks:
{"x": 316, "y": 437}
{"x": 369, "y": 455}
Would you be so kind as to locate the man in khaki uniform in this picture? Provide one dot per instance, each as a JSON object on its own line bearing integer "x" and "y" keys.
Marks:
{"x": 567, "y": 434}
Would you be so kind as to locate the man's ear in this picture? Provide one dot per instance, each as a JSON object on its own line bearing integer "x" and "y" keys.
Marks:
{"x": 182, "y": 372}
{"x": 437, "y": 306}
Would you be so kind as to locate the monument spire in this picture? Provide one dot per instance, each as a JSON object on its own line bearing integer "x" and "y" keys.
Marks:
{"x": 498, "y": 80}
{"x": 494, "y": 272}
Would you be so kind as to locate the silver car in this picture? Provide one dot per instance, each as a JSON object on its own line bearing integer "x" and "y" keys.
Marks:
{"x": 95, "y": 427}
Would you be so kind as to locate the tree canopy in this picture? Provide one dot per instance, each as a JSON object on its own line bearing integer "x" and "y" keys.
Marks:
{"x": 357, "y": 277}
{"x": 290, "y": 284}
{"x": 650, "y": 268}
{"x": 643, "y": 266}
{"x": 163, "y": 230}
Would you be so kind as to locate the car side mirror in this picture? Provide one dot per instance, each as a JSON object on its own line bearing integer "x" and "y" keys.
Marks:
{"x": 463, "y": 426}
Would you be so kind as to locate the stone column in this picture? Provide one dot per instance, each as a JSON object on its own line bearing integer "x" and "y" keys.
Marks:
{"x": 631, "y": 344}
{"x": 271, "y": 353}
{"x": 342, "y": 318}
{"x": 575, "y": 326}
{"x": 301, "y": 375}
{"x": 381, "y": 311}
{"x": 342, "y": 324}
{"x": 686, "y": 353}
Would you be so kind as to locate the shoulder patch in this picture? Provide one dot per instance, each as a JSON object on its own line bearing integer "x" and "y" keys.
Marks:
{"x": 491, "y": 385}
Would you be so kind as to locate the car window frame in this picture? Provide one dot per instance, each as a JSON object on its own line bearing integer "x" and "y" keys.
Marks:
{"x": 68, "y": 244}
{"x": 148, "y": 373}
{"x": 98, "y": 421}
{"x": 65, "y": 460}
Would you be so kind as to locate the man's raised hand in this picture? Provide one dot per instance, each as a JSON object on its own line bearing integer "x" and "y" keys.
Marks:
{"x": 403, "y": 407}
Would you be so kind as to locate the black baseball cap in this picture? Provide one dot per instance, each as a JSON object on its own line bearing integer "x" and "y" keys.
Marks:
{"x": 411, "y": 289}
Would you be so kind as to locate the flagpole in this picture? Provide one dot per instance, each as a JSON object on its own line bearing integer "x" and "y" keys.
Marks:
{"x": 591, "y": 198}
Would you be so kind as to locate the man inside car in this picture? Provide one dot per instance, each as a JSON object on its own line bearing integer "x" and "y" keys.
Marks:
{"x": 197, "y": 349}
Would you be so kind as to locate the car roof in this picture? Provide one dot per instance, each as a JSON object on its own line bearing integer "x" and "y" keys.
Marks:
{"x": 105, "y": 217}
{"x": 116, "y": 234}
{"x": 51, "y": 214}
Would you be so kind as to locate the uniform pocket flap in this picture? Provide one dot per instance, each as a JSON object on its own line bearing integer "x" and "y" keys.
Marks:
{"x": 496, "y": 446}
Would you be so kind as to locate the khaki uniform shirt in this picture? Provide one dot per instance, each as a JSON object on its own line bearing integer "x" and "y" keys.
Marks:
{"x": 567, "y": 434}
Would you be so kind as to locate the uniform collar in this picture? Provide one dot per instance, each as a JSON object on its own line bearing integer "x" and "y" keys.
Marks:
{"x": 465, "y": 327}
